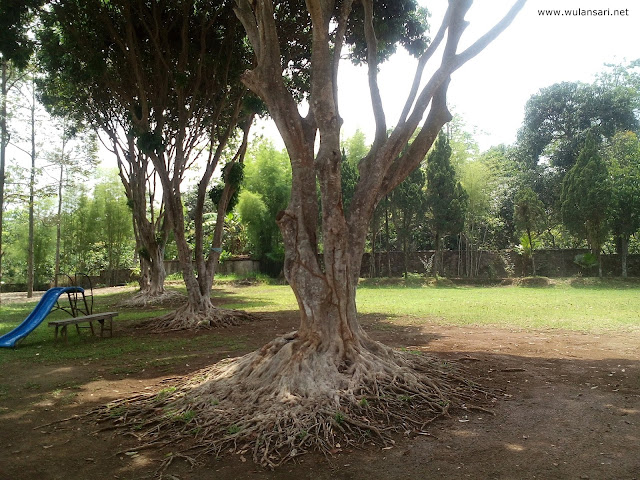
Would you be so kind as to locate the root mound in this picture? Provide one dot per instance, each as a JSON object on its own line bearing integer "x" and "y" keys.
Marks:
{"x": 143, "y": 299}
{"x": 186, "y": 318}
{"x": 289, "y": 398}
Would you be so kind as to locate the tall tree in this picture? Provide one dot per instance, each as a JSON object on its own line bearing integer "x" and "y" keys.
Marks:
{"x": 622, "y": 156}
{"x": 16, "y": 48}
{"x": 408, "y": 205}
{"x": 165, "y": 73}
{"x": 322, "y": 379}
{"x": 529, "y": 216}
{"x": 75, "y": 158}
{"x": 586, "y": 198}
{"x": 446, "y": 199}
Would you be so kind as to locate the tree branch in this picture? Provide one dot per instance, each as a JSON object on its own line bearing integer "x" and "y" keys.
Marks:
{"x": 490, "y": 36}
{"x": 372, "y": 64}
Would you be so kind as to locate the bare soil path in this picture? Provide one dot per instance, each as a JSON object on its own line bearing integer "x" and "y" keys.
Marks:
{"x": 569, "y": 409}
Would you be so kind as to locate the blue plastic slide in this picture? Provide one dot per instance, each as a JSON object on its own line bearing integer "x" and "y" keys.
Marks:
{"x": 35, "y": 318}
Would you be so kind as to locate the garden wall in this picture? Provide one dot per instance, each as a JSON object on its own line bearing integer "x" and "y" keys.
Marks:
{"x": 501, "y": 264}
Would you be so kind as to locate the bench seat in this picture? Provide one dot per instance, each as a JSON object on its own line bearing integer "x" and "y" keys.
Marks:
{"x": 101, "y": 318}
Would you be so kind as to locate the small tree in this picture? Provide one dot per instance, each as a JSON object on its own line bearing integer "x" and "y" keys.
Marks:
{"x": 529, "y": 216}
{"x": 586, "y": 198}
{"x": 446, "y": 199}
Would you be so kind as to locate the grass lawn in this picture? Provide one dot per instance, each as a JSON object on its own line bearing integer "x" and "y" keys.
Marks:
{"x": 592, "y": 308}
{"x": 600, "y": 306}
{"x": 121, "y": 348}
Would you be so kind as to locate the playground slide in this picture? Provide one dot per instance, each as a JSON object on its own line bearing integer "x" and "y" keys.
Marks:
{"x": 35, "y": 318}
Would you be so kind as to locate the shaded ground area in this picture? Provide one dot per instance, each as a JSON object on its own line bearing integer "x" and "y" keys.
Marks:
{"x": 569, "y": 409}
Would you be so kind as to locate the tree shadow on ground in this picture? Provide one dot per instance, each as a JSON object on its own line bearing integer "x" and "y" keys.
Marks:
{"x": 568, "y": 406}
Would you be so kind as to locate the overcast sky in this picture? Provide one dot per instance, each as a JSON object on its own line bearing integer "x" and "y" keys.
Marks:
{"x": 491, "y": 90}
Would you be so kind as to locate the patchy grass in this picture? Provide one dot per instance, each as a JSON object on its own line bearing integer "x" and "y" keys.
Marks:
{"x": 165, "y": 350}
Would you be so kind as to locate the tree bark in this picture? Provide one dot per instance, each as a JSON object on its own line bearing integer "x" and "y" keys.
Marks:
{"x": 533, "y": 262}
{"x": 624, "y": 253}
{"x": 436, "y": 259}
{"x": 32, "y": 183}
{"x": 4, "y": 140}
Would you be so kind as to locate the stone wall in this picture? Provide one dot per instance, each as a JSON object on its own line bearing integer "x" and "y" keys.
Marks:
{"x": 501, "y": 264}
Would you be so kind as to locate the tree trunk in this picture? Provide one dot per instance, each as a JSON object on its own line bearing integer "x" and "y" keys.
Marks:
{"x": 199, "y": 311}
{"x": 624, "y": 253}
{"x": 56, "y": 271}
{"x": 4, "y": 140}
{"x": 151, "y": 231}
{"x": 533, "y": 262}
{"x": 436, "y": 260}
{"x": 327, "y": 384}
{"x": 32, "y": 182}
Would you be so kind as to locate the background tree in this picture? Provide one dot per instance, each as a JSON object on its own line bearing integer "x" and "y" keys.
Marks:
{"x": 446, "y": 199}
{"x": 622, "y": 157}
{"x": 556, "y": 123}
{"x": 323, "y": 378}
{"x": 529, "y": 216}
{"x": 266, "y": 189}
{"x": 82, "y": 70}
{"x": 16, "y": 49}
{"x": 586, "y": 199}
{"x": 75, "y": 158}
{"x": 408, "y": 207}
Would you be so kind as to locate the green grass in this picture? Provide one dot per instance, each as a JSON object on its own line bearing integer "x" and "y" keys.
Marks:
{"x": 583, "y": 306}
{"x": 155, "y": 350}
{"x": 589, "y": 306}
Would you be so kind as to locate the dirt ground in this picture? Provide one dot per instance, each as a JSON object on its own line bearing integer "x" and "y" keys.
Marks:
{"x": 570, "y": 409}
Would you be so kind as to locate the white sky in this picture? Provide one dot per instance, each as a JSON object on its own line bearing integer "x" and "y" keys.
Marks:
{"x": 491, "y": 90}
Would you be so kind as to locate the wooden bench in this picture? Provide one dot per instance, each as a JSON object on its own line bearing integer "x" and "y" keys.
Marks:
{"x": 101, "y": 318}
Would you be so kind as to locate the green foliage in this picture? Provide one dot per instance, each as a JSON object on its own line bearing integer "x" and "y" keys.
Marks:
{"x": 408, "y": 207}
{"x": 559, "y": 117}
{"x": 150, "y": 143}
{"x": 622, "y": 156}
{"x": 586, "y": 196}
{"x": 586, "y": 260}
{"x": 267, "y": 185}
{"x": 529, "y": 213}
{"x": 16, "y": 18}
{"x": 446, "y": 198}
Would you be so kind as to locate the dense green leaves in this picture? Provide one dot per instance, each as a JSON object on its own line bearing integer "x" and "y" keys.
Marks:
{"x": 446, "y": 199}
{"x": 558, "y": 118}
{"x": 266, "y": 189}
{"x": 586, "y": 196}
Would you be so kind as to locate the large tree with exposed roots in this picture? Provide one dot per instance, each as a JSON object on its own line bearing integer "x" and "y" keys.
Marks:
{"x": 327, "y": 383}
{"x": 161, "y": 80}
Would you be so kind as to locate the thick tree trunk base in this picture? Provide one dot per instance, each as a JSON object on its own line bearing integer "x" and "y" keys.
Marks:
{"x": 189, "y": 318}
{"x": 290, "y": 398}
{"x": 146, "y": 299}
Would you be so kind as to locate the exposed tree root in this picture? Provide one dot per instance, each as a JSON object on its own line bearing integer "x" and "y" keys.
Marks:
{"x": 186, "y": 318}
{"x": 145, "y": 299}
{"x": 289, "y": 398}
